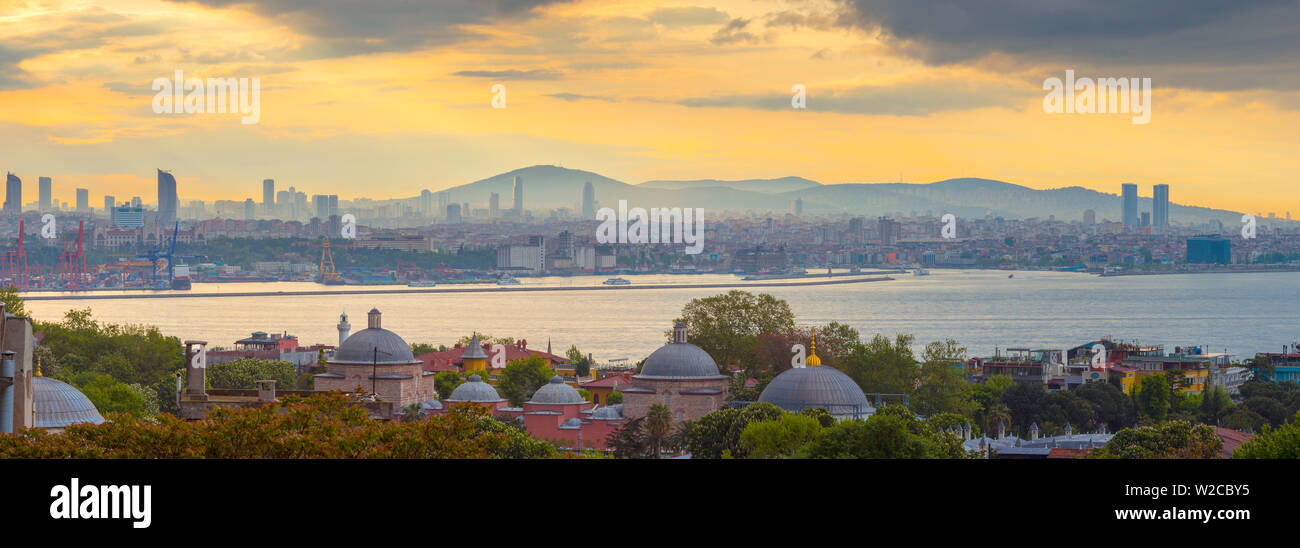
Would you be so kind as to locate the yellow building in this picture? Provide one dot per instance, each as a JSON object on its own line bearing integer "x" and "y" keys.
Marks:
{"x": 474, "y": 360}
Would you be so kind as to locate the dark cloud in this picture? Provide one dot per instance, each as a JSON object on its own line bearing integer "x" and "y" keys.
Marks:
{"x": 1206, "y": 44}
{"x": 571, "y": 97}
{"x": 686, "y": 16}
{"x": 511, "y": 74}
{"x": 915, "y": 99}
{"x": 349, "y": 27}
{"x": 734, "y": 31}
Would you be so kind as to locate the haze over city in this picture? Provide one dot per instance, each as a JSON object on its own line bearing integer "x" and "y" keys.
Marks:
{"x": 386, "y": 101}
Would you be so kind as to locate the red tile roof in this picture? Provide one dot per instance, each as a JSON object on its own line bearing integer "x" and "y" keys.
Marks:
{"x": 1232, "y": 439}
{"x": 609, "y": 382}
{"x": 449, "y": 360}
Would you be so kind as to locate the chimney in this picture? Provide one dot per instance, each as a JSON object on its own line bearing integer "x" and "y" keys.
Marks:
{"x": 679, "y": 332}
{"x": 196, "y": 368}
{"x": 7, "y": 390}
{"x": 965, "y": 431}
{"x": 266, "y": 391}
{"x": 372, "y": 320}
{"x": 1002, "y": 430}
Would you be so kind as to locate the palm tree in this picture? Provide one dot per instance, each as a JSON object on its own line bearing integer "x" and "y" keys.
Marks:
{"x": 999, "y": 413}
{"x": 413, "y": 413}
{"x": 658, "y": 422}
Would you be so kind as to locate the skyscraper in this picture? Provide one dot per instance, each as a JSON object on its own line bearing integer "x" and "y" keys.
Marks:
{"x": 321, "y": 203}
{"x": 453, "y": 213}
{"x": 1089, "y": 217}
{"x": 268, "y": 195}
{"x": 1160, "y": 206}
{"x": 110, "y": 203}
{"x": 494, "y": 205}
{"x": 136, "y": 201}
{"x": 13, "y": 194}
{"x": 797, "y": 208}
{"x": 167, "y": 199}
{"x": 1130, "y": 213}
{"x": 443, "y": 199}
{"x": 519, "y": 196}
{"x": 250, "y": 209}
{"x": 45, "y": 188}
{"x": 83, "y": 200}
{"x": 334, "y": 205}
{"x": 426, "y": 203}
{"x": 588, "y": 201}
{"x": 282, "y": 199}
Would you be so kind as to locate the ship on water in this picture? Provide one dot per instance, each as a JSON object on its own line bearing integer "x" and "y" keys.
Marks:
{"x": 181, "y": 276}
{"x": 617, "y": 281}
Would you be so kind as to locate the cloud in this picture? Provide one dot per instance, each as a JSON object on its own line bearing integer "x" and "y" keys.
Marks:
{"x": 571, "y": 97}
{"x": 511, "y": 74}
{"x": 686, "y": 16}
{"x": 1200, "y": 44}
{"x": 733, "y": 32}
{"x": 348, "y": 27}
{"x": 909, "y": 99}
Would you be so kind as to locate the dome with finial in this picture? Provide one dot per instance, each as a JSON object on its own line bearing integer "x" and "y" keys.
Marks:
{"x": 57, "y": 404}
{"x": 817, "y": 385}
{"x": 812, "y": 352}
{"x": 556, "y": 392}
{"x": 374, "y": 345}
{"x": 680, "y": 360}
{"x": 474, "y": 390}
{"x": 474, "y": 350}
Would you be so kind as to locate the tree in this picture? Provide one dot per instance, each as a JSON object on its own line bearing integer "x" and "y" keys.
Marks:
{"x": 943, "y": 387}
{"x": 727, "y": 325}
{"x": 243, "y": 374}
{"x": 1109, "y": 405}
{"x": 822, "y": 416}
{"x": 522, "y": 377}
{"x": 629, "y": 441}
{"x": 658, "y": 422}
{"x": 1242, "y": 419}
{"x": 13, "y": 301}
{"x": 422, "y": 348}
{"x": 1169, "y": 440}
{"x": 582, "y": 364}
{"x": 1153, "y": 397}
{"x": 892, "y": 433}
{"x": 614, "y": 398}
{"x": 108, "y": 394}
{"x": 446, "y": 382}
{"x": 1214, "y": 404}
{"x": 779, "y": 438}
{"x": 1282, "y": 442}
{"x": 1271, "y": 409}
{"x": 884, "y": 366}
{"x": 719, "y": 432}
{"x": 1026, "y": 402}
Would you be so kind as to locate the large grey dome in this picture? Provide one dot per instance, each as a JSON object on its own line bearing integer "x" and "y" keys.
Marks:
{"x": 680, "y": 360}
{"x": 475, "y": 390}
{"x": 359, "y": 348}
{"x": 56, "y": 404}
{"x": 817, "y": 386}
{"x": 557, "y": 392}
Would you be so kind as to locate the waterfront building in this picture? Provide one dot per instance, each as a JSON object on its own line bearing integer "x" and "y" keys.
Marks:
{"x": 378, "y": 361}
{"x": 1210, "y": 248}
{"x": 679, "y": 375}
{"x": 13, "y": 195}
{"x": 758, "y": 259}
{"x": 1130, "y": 204}
{"x": 1160, "y": 207}
{"x": 45, "y": 190}
{"x": 168, "y": 201}
{"x": 1286, "y": 365}
{"x": 813, "y": 386}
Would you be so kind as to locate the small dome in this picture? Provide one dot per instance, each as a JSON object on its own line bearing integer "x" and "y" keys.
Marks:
{"x": 431, "y": 405}
{"x": 680, "y": 360}
{"x": 572, "y": 423}
{"x": 611, "y": 412}
{"x": 817, "y": 386}
{"x": 475, "y": 390}
{"x": 56, "y": 404}
{"x": 556, "y": 392}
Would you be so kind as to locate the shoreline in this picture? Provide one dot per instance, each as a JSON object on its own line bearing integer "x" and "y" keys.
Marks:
{"x": 496, "y": 289}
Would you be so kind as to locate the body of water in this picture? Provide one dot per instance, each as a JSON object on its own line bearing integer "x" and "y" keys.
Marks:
{"x": 1242, "y": 313}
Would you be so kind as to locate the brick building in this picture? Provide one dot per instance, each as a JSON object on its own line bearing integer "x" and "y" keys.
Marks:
{"x": 381, "y": 362}
{"x": 679, "y": 375}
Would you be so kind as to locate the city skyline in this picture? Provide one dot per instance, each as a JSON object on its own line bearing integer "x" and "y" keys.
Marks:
{"x": 645, "y": 91}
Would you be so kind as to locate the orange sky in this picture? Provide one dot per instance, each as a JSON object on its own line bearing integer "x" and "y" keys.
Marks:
{"x": 631, "y": 90}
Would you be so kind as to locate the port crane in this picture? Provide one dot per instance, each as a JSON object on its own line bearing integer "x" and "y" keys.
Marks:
{"x": 156, "y": 255}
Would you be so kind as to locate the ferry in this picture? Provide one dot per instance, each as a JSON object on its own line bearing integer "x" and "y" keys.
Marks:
{"x": 616, "y": 281}
{"x": 423, "y": 283}
{"x": 507, "y": 280}
{"x": 920, "y": 272}
{"x": 181, "y": 277}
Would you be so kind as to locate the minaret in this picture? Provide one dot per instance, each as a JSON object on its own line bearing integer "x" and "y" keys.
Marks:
{"x": 679, "y": 332}
{"x": 344, "y": 327}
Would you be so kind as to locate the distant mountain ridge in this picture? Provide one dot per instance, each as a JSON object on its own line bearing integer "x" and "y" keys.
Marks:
{"x": 554, "y": 186}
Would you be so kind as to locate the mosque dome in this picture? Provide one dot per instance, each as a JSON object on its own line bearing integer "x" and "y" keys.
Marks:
{"x": 56, "y": 404}
{"x": 609, "y": 412}
{"x": 815, "y": 385}
{"x": 680, "y": 360}
{"x": 474, "y": 390}
{"x": 359, "y": 348}
{"x": 556, "y": 392}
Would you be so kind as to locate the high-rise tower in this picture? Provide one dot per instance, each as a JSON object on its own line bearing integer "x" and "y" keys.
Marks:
{"x": 1160, "y": 206}
{"x": 167, "y": 198}
{"x": 1130, "y": 212}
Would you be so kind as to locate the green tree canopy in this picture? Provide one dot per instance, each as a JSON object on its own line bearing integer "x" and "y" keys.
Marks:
{"x": 1282, "y": 442}
{"x": 522, "y": 377}
{"x": 243, "y": 374}
{"x": 727, "y": 326}
{"x": 881, "y": 365}
{"x": 1169, "y": 440}
{"x": 779, "y": 438}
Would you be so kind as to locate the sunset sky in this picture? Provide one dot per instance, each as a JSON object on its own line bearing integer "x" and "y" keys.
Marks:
{"x": 385, "y": 98}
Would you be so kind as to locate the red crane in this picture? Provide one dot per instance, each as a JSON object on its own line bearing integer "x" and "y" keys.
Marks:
{"x": 13, "y": 265}
{"x": 72, "y": 263}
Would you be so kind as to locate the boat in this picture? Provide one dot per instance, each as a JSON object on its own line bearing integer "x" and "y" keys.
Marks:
{"x": 423, "y": 283}
{"x": 616, "y": 281}
{"x": 181, "y": 277}
{"x": 920, "y": 272}
{"x": 1011, "y": 275}
{"x": 507, "y": 280}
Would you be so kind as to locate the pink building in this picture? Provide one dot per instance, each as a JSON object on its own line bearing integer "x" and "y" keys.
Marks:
{"x": 555, "y": 412}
